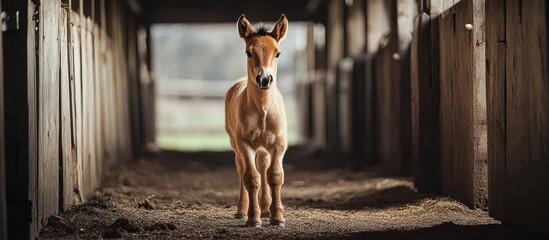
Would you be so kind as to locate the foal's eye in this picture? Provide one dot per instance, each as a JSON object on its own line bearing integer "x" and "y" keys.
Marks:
{"x": 278, "y": 54}
{"x": 248, "y": 54}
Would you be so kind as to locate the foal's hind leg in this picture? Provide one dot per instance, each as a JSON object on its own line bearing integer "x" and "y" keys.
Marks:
{"x": 263, "y": 161}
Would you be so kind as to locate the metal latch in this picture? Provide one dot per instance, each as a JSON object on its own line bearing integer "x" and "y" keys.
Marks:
{"x": 10, "y": 21}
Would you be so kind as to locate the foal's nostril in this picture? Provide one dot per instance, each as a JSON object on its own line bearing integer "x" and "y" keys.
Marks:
{"x": 270, "y": 79}
{"x": 258, "y": 79}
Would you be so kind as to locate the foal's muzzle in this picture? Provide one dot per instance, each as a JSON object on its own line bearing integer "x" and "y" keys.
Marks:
{"x": 264, "y": 81}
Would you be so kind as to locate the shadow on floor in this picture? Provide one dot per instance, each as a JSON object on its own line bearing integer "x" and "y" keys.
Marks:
{"x": 447, "y": 231}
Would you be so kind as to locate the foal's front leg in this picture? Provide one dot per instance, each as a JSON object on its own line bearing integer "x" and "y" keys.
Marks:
{"x": 242, "y": 204}
{"x": 252, "y": 183}
{"x": 275, "y": 177}
{"x": 263, "y": 161}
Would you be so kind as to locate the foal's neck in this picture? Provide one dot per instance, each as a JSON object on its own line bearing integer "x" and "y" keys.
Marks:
{"x": 260, "y": 99}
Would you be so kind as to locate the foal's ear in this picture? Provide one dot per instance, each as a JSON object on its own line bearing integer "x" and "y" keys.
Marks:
{"x": 244, "y": 27}
{"x": 280, "y": 28}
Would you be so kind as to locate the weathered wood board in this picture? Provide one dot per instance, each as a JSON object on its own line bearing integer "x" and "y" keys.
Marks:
{"x": 3, "y": 225}
{"x": 463, "y": 104}
{"x": 526, "y": 115}
{"x": 495, "y": 93}
{"x": 48, "y": 111}
{"x": 68, "y": 163}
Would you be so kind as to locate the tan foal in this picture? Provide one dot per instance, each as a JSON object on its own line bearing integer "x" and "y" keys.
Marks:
{"x": 255, "y": 120}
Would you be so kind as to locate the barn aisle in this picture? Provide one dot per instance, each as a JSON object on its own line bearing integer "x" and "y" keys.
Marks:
{"x": 192, "y": 196}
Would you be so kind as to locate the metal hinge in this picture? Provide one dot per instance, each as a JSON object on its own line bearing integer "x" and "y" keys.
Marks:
{"x": 10, "y": 21}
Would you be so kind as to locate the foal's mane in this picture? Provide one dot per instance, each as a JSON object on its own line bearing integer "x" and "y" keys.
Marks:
{"x": 262, "y": 30}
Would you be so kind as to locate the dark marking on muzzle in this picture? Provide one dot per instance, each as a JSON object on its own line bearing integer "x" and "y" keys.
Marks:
{"x": 264, "y": 81}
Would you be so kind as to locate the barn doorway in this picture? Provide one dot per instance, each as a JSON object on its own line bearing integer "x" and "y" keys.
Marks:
{"x": 194, "y": 65}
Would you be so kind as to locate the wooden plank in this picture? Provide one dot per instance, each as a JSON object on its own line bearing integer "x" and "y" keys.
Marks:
{"x": 319, "y": 110}
{"x": 480, "y": 133}
{"x": 48, "y": 111}
{"x": 150, "y": 100}
{"x": 539, "y": 116}
{"x": 335, "y": 33}
{"x": 527, "y": 114}
{"x": 536, "y": 34}
{"x": 89, "y": 96}
{"x": 133, "y": 73}
{"x": 463, "y": 104}
{"x": 432, "y": 147}
{"x": 117, "y": 94}
{"x": 78, "y": 102}
{"x": 406, "y": 10}
{"x": 356, "y": 29}
{"x": 495, "y": 90}
{"x": 518, "y": 158}
{"x": 68, "y": 165}
{"x": 86, "y": 131}
{"x": 127, "y": 152}
{"x": 425, "y": 111}
{"x": 124, "y": 97}
{"x": 109, "y": 109}
{"x": 3, "y": 212}
{"x": 92, "y": 144}
{"x": 99, "y": 143}
{"x": 391, "y": 102}
{"x": 32, "y": 89}
{"x": 446, "y": 31}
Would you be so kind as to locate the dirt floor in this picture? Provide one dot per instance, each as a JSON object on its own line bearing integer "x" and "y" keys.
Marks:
{"x": 193, "y": 196}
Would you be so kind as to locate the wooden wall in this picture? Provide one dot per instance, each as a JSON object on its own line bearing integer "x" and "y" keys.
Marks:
{"x": 78, "y": 73}
{"x": 463, "y": 103}
{"x": 518, "y": 110}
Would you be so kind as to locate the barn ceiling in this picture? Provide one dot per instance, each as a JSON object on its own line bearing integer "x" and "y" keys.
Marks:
{"x": 207, "y": 11}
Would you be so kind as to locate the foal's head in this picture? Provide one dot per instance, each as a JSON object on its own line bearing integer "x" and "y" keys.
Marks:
{"x": 262, "y": 50}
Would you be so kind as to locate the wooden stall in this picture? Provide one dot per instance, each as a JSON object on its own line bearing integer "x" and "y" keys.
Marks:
{"x": 69, "y": 98}
{"x": 518, "y": 110}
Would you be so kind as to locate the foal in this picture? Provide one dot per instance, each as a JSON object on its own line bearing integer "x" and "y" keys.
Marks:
{"x": 256, "y": 123}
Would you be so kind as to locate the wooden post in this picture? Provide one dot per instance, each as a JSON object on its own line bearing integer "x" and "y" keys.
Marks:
{"x": 495, "y": 91}
{"x": 463, "y": 103}
{"x": 48, "y": 110}
{"x": 425, "y": 86}
{"x": 392, "y": 110}
{"x": 526, "y": 115}
{"x": 335, "y": 52}
{"x": 68, "y": 164}
{"x": 3, "y": 230}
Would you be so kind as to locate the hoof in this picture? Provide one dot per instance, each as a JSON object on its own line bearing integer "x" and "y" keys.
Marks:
{"x": 252, "y": 223}
{"x": 278, "y": 223}
{"x": 266, "y": 214}
{"x": 240, "y": 215}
